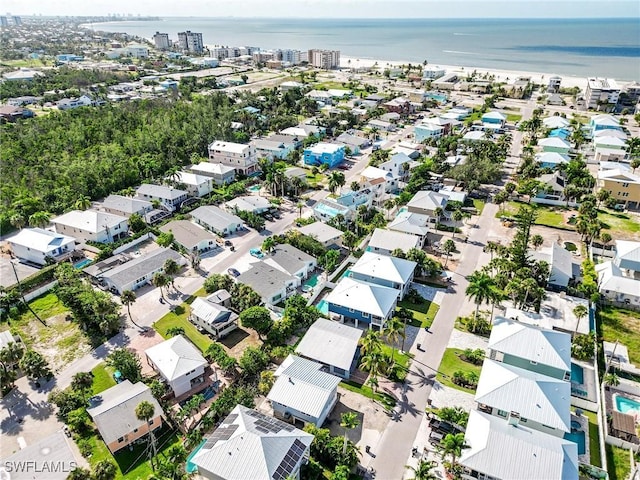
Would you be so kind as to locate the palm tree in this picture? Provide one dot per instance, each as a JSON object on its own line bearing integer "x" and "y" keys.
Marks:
{"x": 82, "y": 203}
{"x": 388, "y": 204}
{"x": 128, "y": 298}
{"x": 160, "y": 280}
{"x": 438, "y": 211}
{"x": 424, "y": 470}
{"x": 171, "y": 268}
{"x": 11, "y": 354}
{"x": 375, "y": 363}
{"x": 82, "y": 382}
{"x": 394, "y": 329}
{"x": 457, "y": 217}
{"x": 300, "y": 205}
{"x": 355, "y": 186}
{"x": 480, "y": 289}
{"x": 18, "y": 221}
{"x": 39, "y": 219}
{"x": 580, "y": 311}
{"x": 452, "y": 444}
{"x": 268, "y": 244}
{"x": 448, "y": 247}
{"x": 336, "y": 180}
{"x": 611, "y": 379}
{"x": 145, "y": 411}
{"x": 348, "y": 421}
{"x": 371, "y": 342}
{"x": 537, "y": 241}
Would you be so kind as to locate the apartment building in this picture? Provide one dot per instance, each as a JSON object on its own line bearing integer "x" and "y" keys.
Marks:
{"x": 237, "y": 155}
{"x": 325, "y": 59}
{"x": 161, "y": 41}
{"x": 190, "y": 41}
{"x": 601, "y": 92}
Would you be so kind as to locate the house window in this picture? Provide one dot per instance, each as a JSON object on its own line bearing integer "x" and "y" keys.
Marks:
{"x": 625, "y": 185}
{"x": 121, "y": 439}
{"x": 135, "y": 430}
{"x": 365, "y": 315}
{"x": 533, "y": 362}
{"x": 351, "y": 310}
{"x": 502, "y": 413}
{"x": 523, "y": 420}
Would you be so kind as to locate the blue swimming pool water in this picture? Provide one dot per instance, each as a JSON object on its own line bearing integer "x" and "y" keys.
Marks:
{"x": 579, "y": 438}
{"x": 346, "y": 274}
{"x": 323, "y": 307}
{"x": 255, "y": 188}
{"x": 438, "y": 97}
{"x": 82, "y": 263}
{"x": 312, "y": 281}
{"x": 191, "y": 467}
{"x": 627, "y": 405}
{"x": 577, "y": 374}
{"x": 327, "y": 210}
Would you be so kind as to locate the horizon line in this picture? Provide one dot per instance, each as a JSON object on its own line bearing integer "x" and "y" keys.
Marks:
{"x": 134, "y": 16}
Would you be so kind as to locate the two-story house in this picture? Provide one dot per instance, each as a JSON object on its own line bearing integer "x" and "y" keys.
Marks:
{"x": 35, "y": 245}
{"x": 330, "y": 154}
{"x": 217, "y": 220}
{"x": 220, "y": 174}
{"x": 624, "y": 186}
{"x": 426, "y": 202}
{"x": 92, "y": 225}
{"x": 195, "y": 184}
{"x": 168, "y": 197}
{"x": 291, "y": 260}
{"x": 392, "y": 272}
{"x": 386, "y": 242}
{"x": 125, "y": 206}
{"x": 239, "y": 156}
{"x": 270, "y": 282}
{"x": 211, "y": 315}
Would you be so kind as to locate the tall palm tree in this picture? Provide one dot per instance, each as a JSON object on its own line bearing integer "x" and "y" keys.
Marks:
{"x": 424, "y": 470}
{"x": 388, "y": 204}
{"x": 438, "y": 211}
{"x": 348, "y": 421}
{"x": 580, "y": 311}
{"x": 268, "y": 244}
{"x": 82, "y": 203}
{"x": 128, "y": 298}
{"x": 448, "y": 248}
{"x": 457, "y": 217}
{"x": 160, "y": 280}
{"x": 11, "y": 354}
{"x": 39, "y": 219}
{"x": 452, "y": 445}
{"x": 394, "y": 329}
{"x": 371, "y": 342}
{"x": 336, "y": 180}
{"x": 480, "y": 289}
{"x": 145, "y": 411}
{"x": 171, "y": 268}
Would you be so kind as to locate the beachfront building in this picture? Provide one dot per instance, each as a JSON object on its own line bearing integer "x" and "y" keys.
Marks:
{"x": 239, "y": 156}
{"x": 432, "y": 73}
{"x": 92, "y": 225}
{"x": 302, "y": 392}
{"x": 190, "y": 42}
{"x": 328, "y": 153}
{"x": 36, "y": 245}
{"x": 623, "y": 185}
{"x": 179, "y": 363}
{"x": 601, "y": 93}
{"x": 324, "y": 59}
{"x": 333, "y": 344}
{"x": 251, "y": 445}
{"x": 553, "y": 85}
{"x": 161, "y": 41}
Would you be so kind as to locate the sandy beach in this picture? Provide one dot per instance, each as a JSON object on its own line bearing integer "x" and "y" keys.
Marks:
{"x": 500, "y": 75}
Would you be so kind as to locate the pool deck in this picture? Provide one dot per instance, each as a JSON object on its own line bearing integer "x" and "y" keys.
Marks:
{"x": 587, "y": 390}
{"x": 584, "y": 426}
{"x": 610, "y": 406}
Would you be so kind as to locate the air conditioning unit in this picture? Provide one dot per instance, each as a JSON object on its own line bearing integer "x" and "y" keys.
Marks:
{"x": 514, "y": 418}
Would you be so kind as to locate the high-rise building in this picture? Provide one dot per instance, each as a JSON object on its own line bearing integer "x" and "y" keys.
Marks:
{"x": 161, "y": 41}
{"x": 4, "y": 21}
{"x": 325, "y": 59}
{"x": 601, "y": 91}
{"x": 190, "y": 41}
{"x": 290, "y": 56}
{"x": 17, "y": 20}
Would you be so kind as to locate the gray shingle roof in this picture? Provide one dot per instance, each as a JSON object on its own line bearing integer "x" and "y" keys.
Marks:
{"x": 266, "y": 280}
{"x": 215, "y": 217}
{"x": 331, "y": 343}
{"x": 187, "y": 234}
{"x": 139, "y": 267}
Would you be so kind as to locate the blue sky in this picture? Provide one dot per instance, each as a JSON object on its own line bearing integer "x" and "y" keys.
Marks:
{"x": 333, "y": 8}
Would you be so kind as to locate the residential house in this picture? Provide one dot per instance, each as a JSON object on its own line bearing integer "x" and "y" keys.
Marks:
{"x": 623, "y": 186}
{"x": 213, "y": 317}
{"x": 627, "y": 256}
{"x": 296, "y": 172}
{"x": 291, "y": 260}
{"x": 195, "y": 184}
{"x": 601, "y": 92}
{"x": 555, "y": 121}
{"x": 411, "y": 223}
{"x": 92, "y": 225}
{"x": 361, "y": 302}
{"x": 457, "y": 113}
{"x": 386, "y": 241}
{"x": 239, "y": 156}
{"x": 35, "y": 245}
{"x": 399, "y": 165}
{"x": 248, "y": 203}
{"x": 328, "y": 153}
{"x": 616, "y": 287}
{"x": 354, "y": 142}
{"x": 386, "y": 183}
{"x": 381, "y": 125}
{"x": 428, "y": 129}
{"x": 327, "y": 235}
{"x": 168, "y": 197}
{"x": 563, "y": 268}
{"x": 426, "y": 202}
{"x": 452, "y": 194}
{"x": 271, "y": 283}
{"x": 71, "y": 103}
{"x": 392, "y": 272}
{"x": 217, "y": 220}
{"x": 193, "y": 238}
{"x": 179, "y": 363}
{"x": 272, "y": 149}
{"x": 135, "y": 273}
{"x": 604, "y": 122}
{"x": 432, "y": 73}
{"x": 302, "y": 392}
{"x": 563, "y": 133}
{"x": 554, "y": 187}
{"x": 114, "y": 413}
{"x": 609, "y": 148}
{"x": 494, "y": 118}
{"x": 547, "y": 352}
{"x": 556, "y": 313}
{"x": 551, "y": 159}
{"x": 332, "y": 344}
{"x": 305, "y": 130}
{"x": 287, "y": 140}
{"x": 392, "y": 117}
{"x": 555, "y": 144}
{"x": 220, "y": 174}
{"x": 326, "y": 209}
{"x": 474, "y": 136}
{"x": 532, "y": 455}
{"x": 525, "y": 397}
{"x": 250, "y": 445}
{"x": 125, "y": 206}
{"x": 320, "y": 96}
{"x": 401, "y": 105}
{"x": 11, "y": 113}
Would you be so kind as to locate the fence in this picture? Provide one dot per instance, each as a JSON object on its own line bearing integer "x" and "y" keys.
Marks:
{"x": 40, "y": 291}
{"x": 557, "y": 203}
{"x": 137, "y": 241}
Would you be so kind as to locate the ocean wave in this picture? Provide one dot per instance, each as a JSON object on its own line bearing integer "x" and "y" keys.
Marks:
{"x": 458, "y": 52}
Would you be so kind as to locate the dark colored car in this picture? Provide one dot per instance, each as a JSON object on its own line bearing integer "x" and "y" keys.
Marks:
{"x": 227, "y": 243}
{"x": 233, "y": 272}
{"x": 268, "y": 216}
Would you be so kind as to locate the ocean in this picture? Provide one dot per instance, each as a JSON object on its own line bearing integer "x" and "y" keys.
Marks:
{"x": 575, "y": 47}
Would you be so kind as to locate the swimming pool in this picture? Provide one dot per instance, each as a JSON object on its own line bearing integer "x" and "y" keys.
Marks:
{"x": 312, "y": 281}
{"x": 627, "y": 405}
{"x": 580, "y": 439}
{"x": 192, "y": 467}
{"x": 328, "y": 210}
{"x": 255, "y": 188}
{"x": 82, "y": 263}
{"x": 577, "y": 374}
{"x": 438, "y": 97}
{"x": 323, "y": 307}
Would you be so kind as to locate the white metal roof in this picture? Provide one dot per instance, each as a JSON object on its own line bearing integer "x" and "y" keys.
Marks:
{"x": 213, "y": 168}
{"x": 321, "y": 231}
{"x": 506, "y": 451}
{"x": 410, "y": 222}
{"x": 249, "y": 203}
{"x": 494, "y": 115}
{"x": 474, "y": 135}
{"x": 215, "y": 217}
{"x": 320, "y": 148}
{"x": 210, "y": 312}
{"x": 627, "y": 250}
{"x": 189, "y": 178}
{"x": 40, "y": 240}
{"x": 330, "y": 343}
{"x": 556, "y": 142}
{"x": 612, "y": 280}
{"x": 384, "y": 267}
{"x": 249, "y": 452}
{"x": 89, "y": 220}
{"x": 428, "y": 200}
{"x": 551, "y": 157}
{"x": 364, "y": 297}
{"x": 301, "y": 385}
{"x": 375, "y": 172}
{"x": 228, "y": 147}
{"x": 390, "y": 240}
{"x": 546, "y": 347}
{"x": 618, "y": 175}
{"x": 605, "y": 120}
{"x": 555, "y": 122}
{"x": 175, "y": 357}
{"x": 536, "y": 397}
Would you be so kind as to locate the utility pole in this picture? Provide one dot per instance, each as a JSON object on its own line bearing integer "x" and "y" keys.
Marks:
{"x": 15, "y": 273}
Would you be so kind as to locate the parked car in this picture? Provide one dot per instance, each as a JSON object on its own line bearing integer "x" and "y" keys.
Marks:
{"x": 227, "y": 243}
{"x": 256, "y": 252}
{"x": 268, "y": 216}
{"x": 233, "y": 272}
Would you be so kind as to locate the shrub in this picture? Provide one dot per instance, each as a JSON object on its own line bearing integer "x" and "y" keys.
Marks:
{"x": 473, "y": 356}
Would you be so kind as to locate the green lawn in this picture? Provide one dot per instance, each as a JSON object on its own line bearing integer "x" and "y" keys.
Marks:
{"x": 423, "y": 313}
{"x": 45, "y": 307}
{"x": 547, "y": 215}
{"x": 479, "y": 204}
{"x": 180, "y": 318}
{"x": 102, "y": 378}
{"x": 618, "y": 463}
{"x": 618, "y": 224}
{"x": 401, "y": 359}
{"x": 450, "y": 364}
{"x": 594, "y": 439}
{"x": 384, "y": 399}
{"x": 623, "y": 325}
{"x": 513, "y": 117}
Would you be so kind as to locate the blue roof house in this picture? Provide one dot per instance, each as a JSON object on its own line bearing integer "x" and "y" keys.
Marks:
{"x": 495, "y": 118}
{"x": 425, "y": 130}
{"x": 328, "y": 153}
